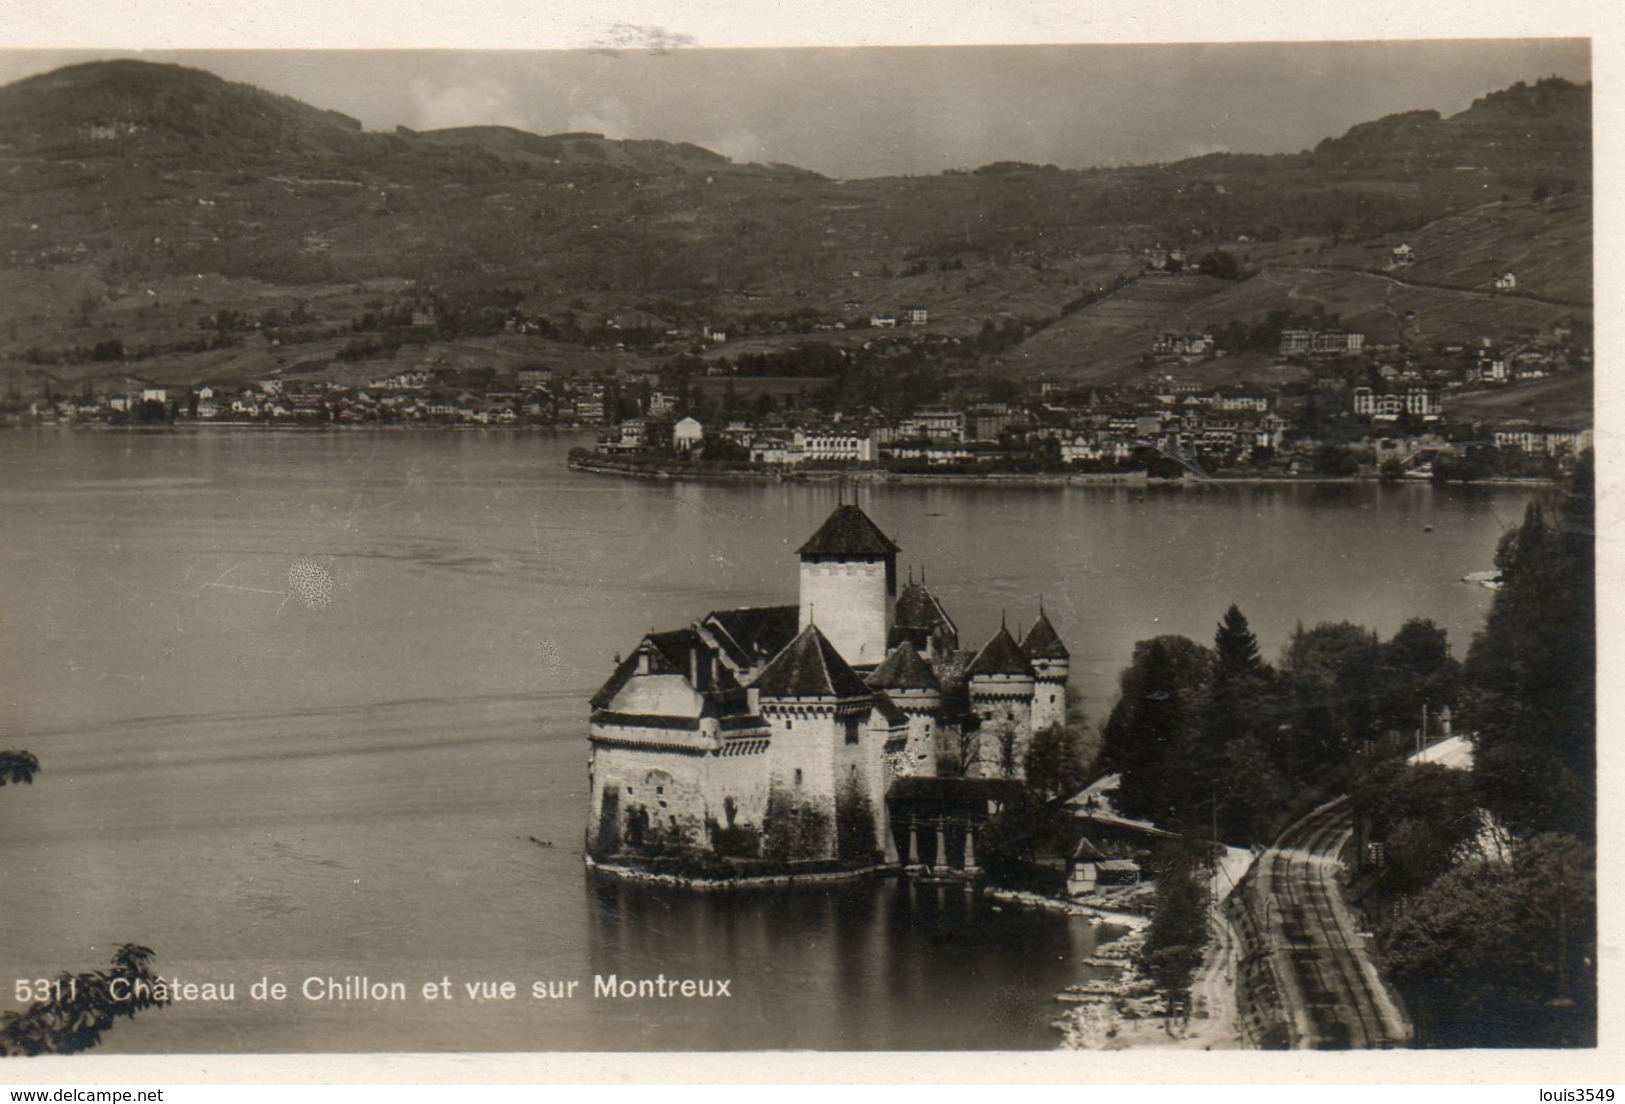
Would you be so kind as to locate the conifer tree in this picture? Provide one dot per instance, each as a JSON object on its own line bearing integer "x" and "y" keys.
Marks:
{"x": 1236, "y": 646}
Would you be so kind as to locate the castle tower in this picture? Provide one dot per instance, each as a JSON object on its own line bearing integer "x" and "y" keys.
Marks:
{"x": 913, "y": 687}
{"x": 1052, "y": 663}
{"x": 828, "y": 747}
{"x": 849, "y": 585}
{"x": 1001, "y": 683}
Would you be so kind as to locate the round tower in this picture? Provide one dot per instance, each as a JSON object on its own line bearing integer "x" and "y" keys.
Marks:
{"x": 913, "y": 687}
{"x": 1001, "y": 681}
{"x": 849, "y": 585}
{"x": 1052, "y": 664}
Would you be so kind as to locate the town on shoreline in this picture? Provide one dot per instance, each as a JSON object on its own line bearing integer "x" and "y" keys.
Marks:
{"x": 1284, "y": 399}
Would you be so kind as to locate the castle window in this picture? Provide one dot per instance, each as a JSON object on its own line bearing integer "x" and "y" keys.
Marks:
{"x": 852, "y": 731}
{"x": 798, "y": 776}
{"x": 660, "y": 789}
{"x": 790, "y": 722}
{"x": 1052, "y": 699}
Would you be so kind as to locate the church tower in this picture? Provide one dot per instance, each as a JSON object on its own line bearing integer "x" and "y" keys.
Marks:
{"x": 849, "y": 585}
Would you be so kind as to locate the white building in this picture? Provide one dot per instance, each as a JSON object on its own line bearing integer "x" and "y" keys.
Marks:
{"x": 687, "y": 435}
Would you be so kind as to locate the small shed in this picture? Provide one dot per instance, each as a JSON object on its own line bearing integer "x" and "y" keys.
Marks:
{"x": 1090, "y": 869}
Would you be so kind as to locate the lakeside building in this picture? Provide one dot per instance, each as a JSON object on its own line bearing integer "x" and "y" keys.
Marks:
{"x": 1544, "y": 440}
{"x": 1391, "y": 405}
{"x": 781, "y": 731}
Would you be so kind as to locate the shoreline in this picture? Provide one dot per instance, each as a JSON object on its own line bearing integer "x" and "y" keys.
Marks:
{"x": 665, "y": 473}
{"x": 297, "y": 427}
{"x": 628, "y": 873}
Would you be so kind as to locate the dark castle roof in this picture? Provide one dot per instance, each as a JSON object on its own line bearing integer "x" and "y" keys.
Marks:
{"x": 903, "y": 669}
{"x": 809, "y": 668}
{"x": 679, "y": 652}
{"x": 753, "y": 633}
{"x": 848, "y": 532}
{"x": 918, "y": 608}
{"x": 1000, "y": 656}
{"x": 1042, "y": 641}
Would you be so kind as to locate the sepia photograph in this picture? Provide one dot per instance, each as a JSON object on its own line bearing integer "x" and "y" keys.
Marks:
{"x": 654, "y": 547}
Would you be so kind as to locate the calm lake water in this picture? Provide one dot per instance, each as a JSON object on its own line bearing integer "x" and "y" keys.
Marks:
{"x": 301, "y": 699}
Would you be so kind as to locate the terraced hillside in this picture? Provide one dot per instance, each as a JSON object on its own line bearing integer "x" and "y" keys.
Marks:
{"x": 1547, "y": 245}
{"x": 140, "y": 204}
{"x": 1103, "y": 343}
{"x": 1384, "y": 307}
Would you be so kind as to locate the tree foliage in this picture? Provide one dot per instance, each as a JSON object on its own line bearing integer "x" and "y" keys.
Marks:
{"x": 1215, "y": 739}
{"x": 1054, "y": 764}
{"x": 1179, "y": 929}
{"x": 854, "y": 821}
{"x": 1426, "y": 817}
{"x": 795, "y": 829}
{"x": 1503, "y": 953}
{"x": 18, "y": 767}
{"x": 1235, "y": 647}
{"x": 1162, "y": 694}
{"x": 83, "y": 1006}
{"x": 1534, "y": 667}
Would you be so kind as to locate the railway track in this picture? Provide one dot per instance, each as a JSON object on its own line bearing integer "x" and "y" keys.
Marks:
{"x": 1330, "y": 990}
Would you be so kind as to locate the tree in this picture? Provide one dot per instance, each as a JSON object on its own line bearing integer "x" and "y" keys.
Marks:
{"x": 82, "y": 1007}
{"x": 1502, "y": 953}
{"x": 1331, "y": 675}
{"x": 18, "y": 767}
{"x": 1220, "y": 264}
{"x": 1005, "y": 740}
{"x": 1163, "y": 693}
{"x": 1229, "y": 766}
{"x": 1425, "y": 815}
{"x": 1534, "y": 667}
{"x": 1235, "y": 647}
{"x": 1054, "y": 764}
{"x": 1179, "y": 929}
{"x": 1417, "y": 673}
{"x": 854, "y": 821}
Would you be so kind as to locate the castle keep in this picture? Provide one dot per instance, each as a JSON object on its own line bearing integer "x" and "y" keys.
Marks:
{"x": 778, "y": 732}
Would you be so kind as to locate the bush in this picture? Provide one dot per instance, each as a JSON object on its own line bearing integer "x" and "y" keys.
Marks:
{"x": 794, "y": 830}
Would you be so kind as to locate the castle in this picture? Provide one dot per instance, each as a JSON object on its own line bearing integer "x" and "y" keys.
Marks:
{"x": 778, "y": 732}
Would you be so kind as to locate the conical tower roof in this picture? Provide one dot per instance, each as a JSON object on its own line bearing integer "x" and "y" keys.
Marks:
{"x": 1000, "y": 656}
{"x": 848, "y": 531}
{"x": 918, "y": 608}
{"x": 1042, "y": 641}
{"x": 809, "y": 667}
{"x": 903, "y": 669}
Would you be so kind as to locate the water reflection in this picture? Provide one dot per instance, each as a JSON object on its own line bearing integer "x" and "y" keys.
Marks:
{"x": 879, "y": 965}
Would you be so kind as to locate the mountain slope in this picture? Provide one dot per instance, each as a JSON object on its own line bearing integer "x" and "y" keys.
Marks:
{"x": 135, "y": 178}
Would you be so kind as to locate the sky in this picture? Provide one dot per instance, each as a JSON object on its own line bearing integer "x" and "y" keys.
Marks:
{"x": 889, "y": 110}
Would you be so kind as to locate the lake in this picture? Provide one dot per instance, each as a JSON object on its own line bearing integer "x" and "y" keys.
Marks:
{"x": 302, "y": 700}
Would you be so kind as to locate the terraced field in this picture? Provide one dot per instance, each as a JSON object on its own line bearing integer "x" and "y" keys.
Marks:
{"x": 1541, "y": 244}
{"x": 1103, "y": 342}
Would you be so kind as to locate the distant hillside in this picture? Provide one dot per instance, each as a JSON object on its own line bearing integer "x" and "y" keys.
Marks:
{"x": 162, "y": 109}
{"x": 1524, "y": 133}
{"x": 579, "y": 146}
{"x": 128, "y": 183}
